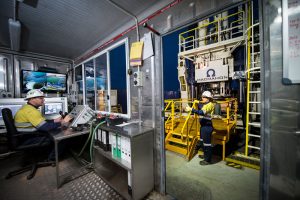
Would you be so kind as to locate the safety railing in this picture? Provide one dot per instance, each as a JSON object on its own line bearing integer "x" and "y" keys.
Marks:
{"x": 231, "y": 110}
{"x": 174, "y": 108}
{"x": 214, "y": 32}
{"x": 228, "y": 115}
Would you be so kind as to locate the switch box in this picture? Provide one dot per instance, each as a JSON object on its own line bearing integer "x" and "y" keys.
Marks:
{"x": 138, "y": 78}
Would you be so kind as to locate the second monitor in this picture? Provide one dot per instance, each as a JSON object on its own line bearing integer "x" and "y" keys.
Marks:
{"x": 53, "y": 108}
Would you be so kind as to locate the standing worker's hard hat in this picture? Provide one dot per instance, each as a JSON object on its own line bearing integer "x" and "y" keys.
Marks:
{"x": 34, "y": 93}
{"x": 207, "y": 94}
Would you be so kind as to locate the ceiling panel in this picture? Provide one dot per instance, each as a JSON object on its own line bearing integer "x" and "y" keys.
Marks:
{"x": 66, "y": 28}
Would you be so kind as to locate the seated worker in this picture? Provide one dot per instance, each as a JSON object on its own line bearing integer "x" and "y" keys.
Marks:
{"x": 29, "y": 119}
{"x": 206, "y": 110}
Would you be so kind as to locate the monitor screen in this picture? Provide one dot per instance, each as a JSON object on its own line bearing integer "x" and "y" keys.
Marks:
{"x": 14, "y": 109}
{"x": 56, "y": 82}
{"x": 48, "y": 82}
{"x": 53, "y": 108}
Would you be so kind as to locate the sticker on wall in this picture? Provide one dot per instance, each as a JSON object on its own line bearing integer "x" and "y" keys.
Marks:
{"x": 291, "y": 41}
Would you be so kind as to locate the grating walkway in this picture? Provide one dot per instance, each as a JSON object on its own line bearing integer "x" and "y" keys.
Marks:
{"x": 43, "y": 185}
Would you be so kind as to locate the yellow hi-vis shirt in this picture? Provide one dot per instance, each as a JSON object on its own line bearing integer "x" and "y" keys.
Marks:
{"x": 28, "y": 118}
{"x": 208, "y": 110}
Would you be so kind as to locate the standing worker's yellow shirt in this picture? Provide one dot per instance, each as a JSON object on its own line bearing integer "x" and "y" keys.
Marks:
{"x": 208, "y": 109}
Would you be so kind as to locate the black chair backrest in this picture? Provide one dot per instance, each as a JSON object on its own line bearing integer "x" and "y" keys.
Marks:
{"x": 10, "y": 128}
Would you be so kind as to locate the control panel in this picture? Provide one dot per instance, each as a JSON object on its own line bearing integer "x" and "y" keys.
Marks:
{"x": 81, "y": 114}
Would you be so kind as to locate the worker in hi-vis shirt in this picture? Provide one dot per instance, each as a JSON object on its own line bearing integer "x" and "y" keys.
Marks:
{"x": 206, "y": 110}
{"x": 29, "y": 119}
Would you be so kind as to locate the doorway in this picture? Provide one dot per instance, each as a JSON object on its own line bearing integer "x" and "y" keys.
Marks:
{"x": 214, "y": 43}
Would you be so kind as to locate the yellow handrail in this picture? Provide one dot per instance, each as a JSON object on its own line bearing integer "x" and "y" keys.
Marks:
{"x": 187, "y": 119}
{"x": 231, "y": 110}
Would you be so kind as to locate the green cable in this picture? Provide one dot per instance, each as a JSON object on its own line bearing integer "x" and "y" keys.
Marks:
{"x": 92, "y": 140}
{"x": 87, "y": 141}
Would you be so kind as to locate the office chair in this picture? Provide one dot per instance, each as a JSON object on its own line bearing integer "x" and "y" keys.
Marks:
{"x": 16, "y": 143}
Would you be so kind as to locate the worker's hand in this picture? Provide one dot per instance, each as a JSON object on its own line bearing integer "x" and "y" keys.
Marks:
{"x": 67, "y": 119}
{"x": 188, "y": 109}
{"x": 196, "y": 101}
{"x": 59, "y": 119}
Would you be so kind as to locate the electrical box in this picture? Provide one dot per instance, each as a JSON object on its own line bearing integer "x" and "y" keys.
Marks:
{"x": 81, "y": 114}
{"x": 138, "y": 78}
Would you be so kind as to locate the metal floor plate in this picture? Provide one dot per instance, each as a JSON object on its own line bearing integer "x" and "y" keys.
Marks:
{"x": 89, "y": 186}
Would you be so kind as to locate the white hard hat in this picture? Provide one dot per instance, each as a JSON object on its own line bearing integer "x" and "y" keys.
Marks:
{"x": 34, "y": 93}
{"x": 207, "y": 94}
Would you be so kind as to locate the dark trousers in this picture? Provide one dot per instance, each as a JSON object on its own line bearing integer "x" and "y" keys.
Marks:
{"x": 205, "y": 141}
{"x": 45, "y": 141}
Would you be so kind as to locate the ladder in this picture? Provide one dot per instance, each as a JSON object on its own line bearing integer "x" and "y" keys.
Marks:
{"x": 253, "y": 110}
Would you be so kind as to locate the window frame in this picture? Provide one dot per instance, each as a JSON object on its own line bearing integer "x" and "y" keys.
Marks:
{"x": 107, "y": 51}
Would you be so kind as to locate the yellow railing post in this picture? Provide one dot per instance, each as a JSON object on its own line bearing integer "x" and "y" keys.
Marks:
{"x": 173, "y": 115}
{"x": 186, "y": 121}
{"x": 166, "y": 108}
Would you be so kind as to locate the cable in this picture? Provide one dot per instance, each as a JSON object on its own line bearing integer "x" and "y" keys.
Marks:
{"x": 92, "y": 140}
{"x": 86, "y": 141}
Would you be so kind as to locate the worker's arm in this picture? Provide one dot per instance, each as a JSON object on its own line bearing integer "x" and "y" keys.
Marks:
{"x": 48, "y": 125}
{"x": 198, "y": 112}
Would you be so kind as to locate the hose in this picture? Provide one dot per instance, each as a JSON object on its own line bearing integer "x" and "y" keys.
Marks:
{"x": 86, "y": 142}
{"x": 92, "y": 140}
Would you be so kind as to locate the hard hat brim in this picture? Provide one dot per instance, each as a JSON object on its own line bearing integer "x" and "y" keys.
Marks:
{"x": 33, "y": 97}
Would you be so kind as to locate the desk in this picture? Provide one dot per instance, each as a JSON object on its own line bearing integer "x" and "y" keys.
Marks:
{"x": 60, "y": 135}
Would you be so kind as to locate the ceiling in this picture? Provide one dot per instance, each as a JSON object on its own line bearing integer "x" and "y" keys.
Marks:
{"x": 68, "y": 28}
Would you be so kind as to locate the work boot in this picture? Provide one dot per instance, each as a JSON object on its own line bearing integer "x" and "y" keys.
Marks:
{"x": 204, "y": 162}
{"x": 207, "y": 153}
{"x": 199, "y": 145}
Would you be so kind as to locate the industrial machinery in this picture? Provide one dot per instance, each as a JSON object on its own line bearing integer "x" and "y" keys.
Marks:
{"x": 205, "y": 59}
{"x": 221, "y": 54}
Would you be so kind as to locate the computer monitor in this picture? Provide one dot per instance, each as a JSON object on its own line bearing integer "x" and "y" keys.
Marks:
{"x": 53, "y": 108}
{"x": 14, "y": 109}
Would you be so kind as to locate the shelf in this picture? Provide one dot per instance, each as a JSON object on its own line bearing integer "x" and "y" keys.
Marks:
{"x": 118, "y": 161}
{"x": 137, "y": 174}
{"x": 112, "y": 173}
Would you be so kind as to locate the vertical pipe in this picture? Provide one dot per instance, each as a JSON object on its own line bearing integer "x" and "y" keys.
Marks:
{"x": 153, "y": 91}
{"x": 129, "y": 14}
{"x": 15, "y": 10}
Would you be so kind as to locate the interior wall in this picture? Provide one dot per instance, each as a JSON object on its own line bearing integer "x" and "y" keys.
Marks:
{"x": 281, "y": 166}
{"x": 17, "y": 62}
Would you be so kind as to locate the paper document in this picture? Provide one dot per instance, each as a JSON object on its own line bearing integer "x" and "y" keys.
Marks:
{"x": 136, "y": 53}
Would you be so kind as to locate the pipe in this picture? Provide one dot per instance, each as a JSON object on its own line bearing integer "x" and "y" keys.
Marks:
{"x": 138, "y": 39}
{"x": 15, "y": 10}
{"x": 127, "y": 13}
{"x": 151, "y": 29}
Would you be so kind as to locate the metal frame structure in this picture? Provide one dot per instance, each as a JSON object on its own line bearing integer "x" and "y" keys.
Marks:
{"x": 107, "y": 50}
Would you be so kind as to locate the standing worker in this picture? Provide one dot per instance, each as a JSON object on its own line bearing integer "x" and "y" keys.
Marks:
{"x": 206, "y": 110}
